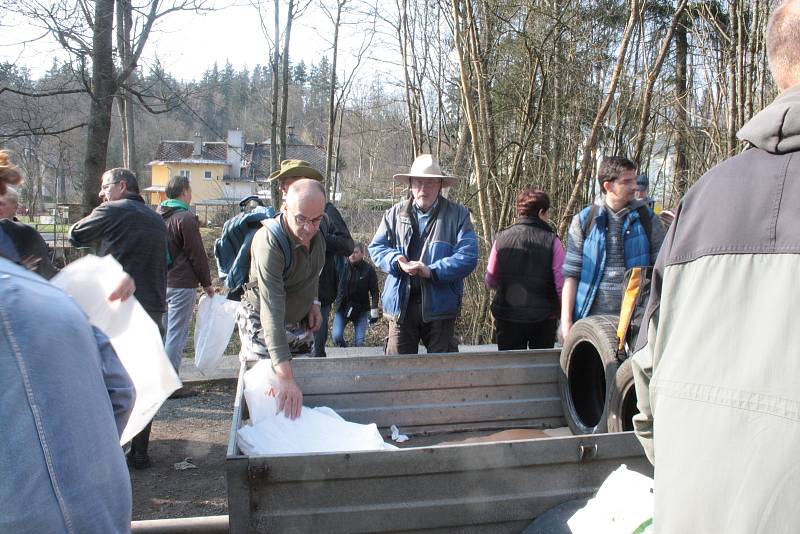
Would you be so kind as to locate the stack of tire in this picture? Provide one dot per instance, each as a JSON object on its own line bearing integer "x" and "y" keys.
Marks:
{"x": 596, "y": 379}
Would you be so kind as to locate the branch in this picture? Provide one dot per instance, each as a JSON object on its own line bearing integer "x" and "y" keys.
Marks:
{"x": 39, "y": 131}
{"x": 41, "y": 95}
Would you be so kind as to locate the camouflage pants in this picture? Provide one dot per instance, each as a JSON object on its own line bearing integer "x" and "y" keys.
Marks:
{"x": 251, "y": 333}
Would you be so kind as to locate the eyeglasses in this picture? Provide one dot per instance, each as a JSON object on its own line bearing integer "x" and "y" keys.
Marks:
{"x": 107, "y": 186}
{"x": 302, "y": 220}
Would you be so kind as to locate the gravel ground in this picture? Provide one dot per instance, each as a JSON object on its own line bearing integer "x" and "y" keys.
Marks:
{"x": 194, "y": 427}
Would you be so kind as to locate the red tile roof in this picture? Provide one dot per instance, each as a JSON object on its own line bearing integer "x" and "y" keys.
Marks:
{"x": 255, "y": 160}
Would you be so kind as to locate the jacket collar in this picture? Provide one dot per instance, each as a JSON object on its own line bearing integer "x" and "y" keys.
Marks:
{"x": 133, "y": 196}
{"x": 407, "y": 207}
{"x": 534, "y": 221}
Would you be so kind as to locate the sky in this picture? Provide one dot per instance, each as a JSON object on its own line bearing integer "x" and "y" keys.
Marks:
{"x": 188, "y": 43}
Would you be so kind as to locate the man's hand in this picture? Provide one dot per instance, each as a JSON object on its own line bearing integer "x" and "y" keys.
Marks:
{"x": 414, "y": 268}
{"x": 124, "y": 289}
{"x": 290, "y": 398}
{"x": 401, "y": 262}
{"x": 373, "y": 316}
{"x": 209, "y": 291}
{"x": 314, "y": 318}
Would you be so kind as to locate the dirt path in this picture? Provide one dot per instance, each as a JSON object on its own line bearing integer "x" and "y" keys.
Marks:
{"x": 193, "y": 427}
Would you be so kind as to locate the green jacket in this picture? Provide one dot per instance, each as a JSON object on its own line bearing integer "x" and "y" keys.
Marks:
{"x": 283, "y": 299}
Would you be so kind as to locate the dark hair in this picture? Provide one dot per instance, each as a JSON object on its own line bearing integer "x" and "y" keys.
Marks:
{"x": 176, "y": 186}
{"x": 121, "y": 174}
{"x": 783, "y": 32}
{"x": 530, "y": 202}
{"x": 611, "y": 168}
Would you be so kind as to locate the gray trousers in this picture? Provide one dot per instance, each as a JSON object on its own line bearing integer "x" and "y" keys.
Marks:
{"x": 180, "y": 306}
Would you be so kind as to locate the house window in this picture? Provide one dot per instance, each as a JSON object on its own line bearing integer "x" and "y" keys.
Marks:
{"x": 185, "y": 173}
{"x": 207, "y": 175}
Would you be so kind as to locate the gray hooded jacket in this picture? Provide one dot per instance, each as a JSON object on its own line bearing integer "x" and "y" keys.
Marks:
{"x": 718, "y": 370}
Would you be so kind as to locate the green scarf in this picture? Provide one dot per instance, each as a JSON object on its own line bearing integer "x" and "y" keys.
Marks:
{"x": 175, "y": 203}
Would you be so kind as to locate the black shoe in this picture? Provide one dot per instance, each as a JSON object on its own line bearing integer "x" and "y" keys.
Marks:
{"x": 140, "y": 461}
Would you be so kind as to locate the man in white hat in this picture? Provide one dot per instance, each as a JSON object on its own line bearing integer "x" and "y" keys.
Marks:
{"x": 427, "y": 246}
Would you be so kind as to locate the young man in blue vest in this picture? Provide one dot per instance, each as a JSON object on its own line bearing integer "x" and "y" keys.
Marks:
{"x": 605, "y": 239}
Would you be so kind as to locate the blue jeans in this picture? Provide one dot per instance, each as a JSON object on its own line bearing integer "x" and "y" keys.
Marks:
{"x": 359, "y": 327}
{"x": 180, "y": 306}
{"x": 321, "y": 335}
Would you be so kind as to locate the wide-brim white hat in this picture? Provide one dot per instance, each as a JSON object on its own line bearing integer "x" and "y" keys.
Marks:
{"x": 426, "y": 166}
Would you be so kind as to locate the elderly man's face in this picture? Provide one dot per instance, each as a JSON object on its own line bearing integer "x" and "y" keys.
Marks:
{"x": 8, "y": 207}
{"x": 111, "y": 189}
{"x": 304, "y": 216}
{"x": 425, "y": 191}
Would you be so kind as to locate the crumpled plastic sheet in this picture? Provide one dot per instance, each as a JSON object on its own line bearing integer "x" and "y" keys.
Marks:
{"x": 317, "y": 430}
{"x": 133, "y": 334}
{"x": 397, "y": 437}
{"x": 623, "y": 504}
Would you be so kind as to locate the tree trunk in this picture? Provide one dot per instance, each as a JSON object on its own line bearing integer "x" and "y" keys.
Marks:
{"x": 275, "y": 186}
{"x": 124, "y": 98}
{"x": 680, "y": 180}
{"x": 462, "y": 50}
{"x": 332, "y": 112}
{"x": 102, "y": 98}
{"x": 591, "y": 141}
{"x": 652, "y": 76}
{"x": 285, "y": 77}
{"x": 403, "y": 37}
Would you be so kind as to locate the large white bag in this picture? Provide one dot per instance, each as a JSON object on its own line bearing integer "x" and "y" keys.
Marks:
{"x": 133, "y": 334}
{"x": 316, "y": 430}
{"x": 216, "y": 317}
{"x": 623, "y": 504}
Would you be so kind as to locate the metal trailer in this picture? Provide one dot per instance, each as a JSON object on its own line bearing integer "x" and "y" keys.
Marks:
{"x": 477, "y": 487}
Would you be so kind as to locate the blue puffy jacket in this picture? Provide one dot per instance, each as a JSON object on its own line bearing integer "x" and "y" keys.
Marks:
{"x": 450, "y": 252}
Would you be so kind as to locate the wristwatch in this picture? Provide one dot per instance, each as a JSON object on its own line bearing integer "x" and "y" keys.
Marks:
{"x": 317, "y": 302}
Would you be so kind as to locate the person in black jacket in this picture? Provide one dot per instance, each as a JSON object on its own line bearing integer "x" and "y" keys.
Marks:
{"x": 337, "y": 243}
{"x": 525, "y": 269}
{"x": 136, "y": 236}
{"x": 356, "y": 299}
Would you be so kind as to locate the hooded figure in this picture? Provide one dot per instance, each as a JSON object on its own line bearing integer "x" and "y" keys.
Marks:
{"x": 717, "y": 371}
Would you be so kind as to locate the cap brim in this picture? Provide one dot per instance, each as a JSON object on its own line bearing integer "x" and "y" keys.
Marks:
{"x": 297, "y": 172}
{"x": 447, "y": 181}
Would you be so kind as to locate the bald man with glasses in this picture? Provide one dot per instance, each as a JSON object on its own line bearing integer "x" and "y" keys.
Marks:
{"x": 280, "y": 308}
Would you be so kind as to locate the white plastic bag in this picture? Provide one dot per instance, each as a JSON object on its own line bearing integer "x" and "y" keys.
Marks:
{"x": 212, "y": 330}
{"x": 316, "y": 430}
{"x": 133, "y": 334}
{"x": 622, "y": 505}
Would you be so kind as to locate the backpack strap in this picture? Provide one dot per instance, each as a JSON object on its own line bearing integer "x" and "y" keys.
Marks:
{"x": 275, "y": 228}
{"x": 588, "y": 223}
{"x": 647, "y": 222}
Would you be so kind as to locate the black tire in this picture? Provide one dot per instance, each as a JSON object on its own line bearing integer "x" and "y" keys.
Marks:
{"x": 588, "y": 367}
{"x": 622, "y": 401}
